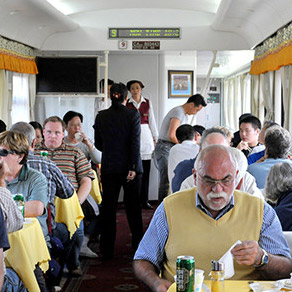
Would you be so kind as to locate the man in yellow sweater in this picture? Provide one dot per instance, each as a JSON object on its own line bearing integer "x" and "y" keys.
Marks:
{"x": 206, "y": 221}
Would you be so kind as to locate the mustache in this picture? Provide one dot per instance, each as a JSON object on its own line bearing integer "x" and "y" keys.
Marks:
{"x": 213, "y": 195}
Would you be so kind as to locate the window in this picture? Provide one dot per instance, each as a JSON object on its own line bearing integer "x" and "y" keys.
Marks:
{"x": 20, "y": 98}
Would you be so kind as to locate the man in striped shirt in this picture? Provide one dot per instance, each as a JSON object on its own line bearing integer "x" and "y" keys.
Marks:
{"x": 75, "y": 166}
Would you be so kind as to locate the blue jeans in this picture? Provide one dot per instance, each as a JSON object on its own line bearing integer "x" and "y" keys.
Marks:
{"x": 73, "y": 259}
{"x": 161, "y": 154}
{"x": 12, "y": 282}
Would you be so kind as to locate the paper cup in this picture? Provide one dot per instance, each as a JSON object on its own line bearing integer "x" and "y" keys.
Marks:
{"x": 78, "y": 137}
{"x": 199, "y": 279}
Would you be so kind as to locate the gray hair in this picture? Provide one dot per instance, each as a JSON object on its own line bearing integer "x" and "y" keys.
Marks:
{"x": 278, "y": 142}
{"x": 279, "y": 180}
{"x": 26, "y": 129}
{"x": 210, "y": 131}
{"x": 202, "y": 154}
{"x": 241, "y": 163}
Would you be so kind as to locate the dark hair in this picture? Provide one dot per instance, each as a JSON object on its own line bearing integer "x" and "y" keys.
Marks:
{"x": 55, "y": 119}
{"x": 118, "y": 92}
{"x": 199, "y": 129}
{"x": 109, "y": 82}
{"x": 254, "y": 121}
{"x": 129, "y": 83}
{"x": 185, "y": 132}
{"x": 70, "y": 115}
{"x": 36, "y": 125}
{"x": 197, "y": 99}
{"x": 243, "y": 116}
{"x": 2, "y": 126}
{"x": 278, "y": 142}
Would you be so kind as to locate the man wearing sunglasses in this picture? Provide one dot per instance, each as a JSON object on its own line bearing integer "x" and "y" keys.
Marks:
{"x": 206, "y": 221}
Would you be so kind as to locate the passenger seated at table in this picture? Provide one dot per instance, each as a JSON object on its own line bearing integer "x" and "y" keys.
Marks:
{"x": 205, "y": 222}
{"x": 278, "y": 143}
{"x": 13, "y": 219}
{"x": 76, "y": 167}
{"x": 278, "y": 192}
{"x": 24, "y": 180}
{"x": 58, "y": 185}
{"x": 38, "y": 131}
{"x": 76, "y": 137}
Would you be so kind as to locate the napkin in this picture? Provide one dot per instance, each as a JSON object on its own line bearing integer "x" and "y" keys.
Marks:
{"x": 227, "y": 259}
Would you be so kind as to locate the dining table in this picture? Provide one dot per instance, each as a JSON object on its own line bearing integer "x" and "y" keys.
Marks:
{"x": 28, "y": 248}
{"x": 69, "y": 212}
{"x": 231, "y": 285}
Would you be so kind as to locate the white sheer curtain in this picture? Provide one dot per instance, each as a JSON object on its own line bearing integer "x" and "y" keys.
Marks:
{"x": 5, "y": 99}
{"x": 20, "y": 98}
{"x": 258, "y": 107}
{"x": 32, "y": 95}
{"x": 58, "y": 105}
{"x": 268, "y": 92}
{"x": 286, "y": 77}
{"x": 236, "y": 99}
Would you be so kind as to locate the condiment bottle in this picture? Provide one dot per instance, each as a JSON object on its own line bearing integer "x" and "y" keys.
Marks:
{"x": 217, "y": 276}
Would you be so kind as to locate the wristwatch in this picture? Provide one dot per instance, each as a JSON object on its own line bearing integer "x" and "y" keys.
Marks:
{"x": 264, "y": 261}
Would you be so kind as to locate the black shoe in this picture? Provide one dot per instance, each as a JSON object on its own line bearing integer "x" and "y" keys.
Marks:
{"x": 147, "y": 206}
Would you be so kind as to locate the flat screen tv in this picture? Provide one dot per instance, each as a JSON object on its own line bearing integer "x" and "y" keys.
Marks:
{"x": 66, "y": 75}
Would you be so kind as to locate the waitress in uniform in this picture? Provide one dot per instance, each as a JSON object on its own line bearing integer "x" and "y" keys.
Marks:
{"x": 149, "y": 133}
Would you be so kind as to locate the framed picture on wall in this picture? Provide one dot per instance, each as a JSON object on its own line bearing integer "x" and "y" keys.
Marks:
{"x": 180, "y": 83}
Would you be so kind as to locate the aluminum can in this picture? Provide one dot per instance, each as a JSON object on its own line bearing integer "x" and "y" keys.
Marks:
{"x": 44, "y": 154}
{"x": 185, "y": 267}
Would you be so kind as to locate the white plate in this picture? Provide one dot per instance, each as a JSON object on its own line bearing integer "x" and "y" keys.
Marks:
{"x": 287, "y": 283}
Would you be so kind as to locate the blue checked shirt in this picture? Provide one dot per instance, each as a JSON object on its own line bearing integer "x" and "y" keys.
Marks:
{"x": 151, "y": 247}
{"x": 58, "y": 184}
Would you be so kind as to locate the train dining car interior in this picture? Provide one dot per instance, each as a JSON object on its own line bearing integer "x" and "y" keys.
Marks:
{"x": 58, "y": 57}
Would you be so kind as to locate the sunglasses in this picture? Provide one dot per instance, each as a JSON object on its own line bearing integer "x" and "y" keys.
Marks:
{"x": 4, "y": 152}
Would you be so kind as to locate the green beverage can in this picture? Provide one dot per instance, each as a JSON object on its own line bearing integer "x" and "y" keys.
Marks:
{"x": 44, "y": 154}
{"x": 185, "y": 268}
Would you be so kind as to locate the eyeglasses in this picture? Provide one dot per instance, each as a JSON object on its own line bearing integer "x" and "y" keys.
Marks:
{"x": 4, "y": 152}
{"x": 225, "y": 182}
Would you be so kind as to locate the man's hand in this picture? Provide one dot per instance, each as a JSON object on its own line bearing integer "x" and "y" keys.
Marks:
{"x": 4, "y": 171}
{"x": 247, "y": 253}
{"x": 161, "y": 285}
{"x": 131, "y": 175}
{"x": 242, "y": 146}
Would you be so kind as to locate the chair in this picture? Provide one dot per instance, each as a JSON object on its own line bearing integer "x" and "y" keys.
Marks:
{"x": 288, "y": 236}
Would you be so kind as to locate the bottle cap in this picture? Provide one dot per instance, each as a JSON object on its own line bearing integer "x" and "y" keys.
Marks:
{"x": 217, "y": 266}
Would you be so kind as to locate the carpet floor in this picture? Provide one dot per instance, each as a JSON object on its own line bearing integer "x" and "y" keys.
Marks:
{"x": 114, "y": 275}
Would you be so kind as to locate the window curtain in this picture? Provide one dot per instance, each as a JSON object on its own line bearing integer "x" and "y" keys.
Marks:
{"x": 5, "y": 99}
{"x": 32, "y": 95}
{"x": 236, "y": 99}
{"x": 257, "y": 101}
{"x": 52, "y": 105}
{"x": 20, "y": 98}
{"x": 268, "y": 95}
{"x": 286, "y": 73}
{"x": 274, "y": 53}
{"x": 17, "y": 57}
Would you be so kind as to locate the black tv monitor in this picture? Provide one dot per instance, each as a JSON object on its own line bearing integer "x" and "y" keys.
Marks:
{"x": 66, "y": 75}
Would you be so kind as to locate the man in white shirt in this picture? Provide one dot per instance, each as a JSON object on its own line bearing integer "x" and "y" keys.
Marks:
{"x": 186, "y": 149}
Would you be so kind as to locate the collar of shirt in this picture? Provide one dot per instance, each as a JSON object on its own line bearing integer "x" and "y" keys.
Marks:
{"x": 21, "y": 177}
{"x": 132, "y": 100}
{"x": 200, "y": 205}
{"x": 190, "y": 142}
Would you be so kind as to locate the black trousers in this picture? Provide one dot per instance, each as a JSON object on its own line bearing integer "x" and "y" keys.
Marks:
{"x": 111, "y": 184}
{"x": 145, "y": 181}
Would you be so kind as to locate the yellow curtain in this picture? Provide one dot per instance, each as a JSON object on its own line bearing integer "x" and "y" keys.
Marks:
{"x": 17, "y": 57}
{"x": 274, "y": 53}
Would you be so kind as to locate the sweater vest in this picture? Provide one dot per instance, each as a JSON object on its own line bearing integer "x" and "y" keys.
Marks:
{"x": 143, "y": 110}
{"x": 193, "y": 232}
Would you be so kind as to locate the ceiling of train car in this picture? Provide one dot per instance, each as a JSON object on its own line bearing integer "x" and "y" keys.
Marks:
{"x": 206, "y": 24}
